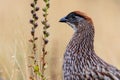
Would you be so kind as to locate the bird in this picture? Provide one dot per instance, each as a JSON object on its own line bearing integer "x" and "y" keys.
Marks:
{"x": 80, "y": 60}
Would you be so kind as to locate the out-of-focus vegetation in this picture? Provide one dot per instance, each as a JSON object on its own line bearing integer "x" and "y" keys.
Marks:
{"x": 15, "y": 33}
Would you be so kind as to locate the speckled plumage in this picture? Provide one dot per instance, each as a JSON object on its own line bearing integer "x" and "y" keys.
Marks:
{"x": 80, "y": 60}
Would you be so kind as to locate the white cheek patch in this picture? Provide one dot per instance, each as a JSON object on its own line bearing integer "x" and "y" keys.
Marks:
{"x": 72, "y": 25}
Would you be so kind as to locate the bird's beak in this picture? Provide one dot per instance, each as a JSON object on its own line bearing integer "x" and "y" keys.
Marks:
{"x": 63, "y": 19}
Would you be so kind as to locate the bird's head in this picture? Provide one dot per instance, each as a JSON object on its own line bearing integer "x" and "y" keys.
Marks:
{"x": 77, "y": 20}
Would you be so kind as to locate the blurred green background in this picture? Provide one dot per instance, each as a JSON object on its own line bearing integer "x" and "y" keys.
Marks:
{"x": 15, "y": 33}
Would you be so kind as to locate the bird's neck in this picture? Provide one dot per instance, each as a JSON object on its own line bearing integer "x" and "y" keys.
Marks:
{"x": 82, "y": 41}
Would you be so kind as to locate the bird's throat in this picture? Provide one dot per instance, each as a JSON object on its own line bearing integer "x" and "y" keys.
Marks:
{"x": 82, "y": 42}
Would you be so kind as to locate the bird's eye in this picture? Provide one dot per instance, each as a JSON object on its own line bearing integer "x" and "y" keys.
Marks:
{"x": 73, "y": 17}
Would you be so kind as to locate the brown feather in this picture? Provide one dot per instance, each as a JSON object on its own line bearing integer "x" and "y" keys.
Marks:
{"x": 85, "y": 16}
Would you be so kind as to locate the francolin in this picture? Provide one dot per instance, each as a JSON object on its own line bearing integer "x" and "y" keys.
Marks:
{"x": 80, "y": 59}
